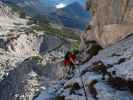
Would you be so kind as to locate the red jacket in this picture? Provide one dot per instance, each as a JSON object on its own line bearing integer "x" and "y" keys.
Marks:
{"x": 70, "y": 59}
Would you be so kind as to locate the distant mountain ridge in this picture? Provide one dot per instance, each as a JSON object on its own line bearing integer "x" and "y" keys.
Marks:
{"x": 72, "y": 16}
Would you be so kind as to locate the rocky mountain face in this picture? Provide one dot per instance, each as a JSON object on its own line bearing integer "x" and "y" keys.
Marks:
{"x": 115, "y": 62}
{"x": 110, "y": 18}
{"x": 107, "y": 75}
{"x": 31, "y": 62}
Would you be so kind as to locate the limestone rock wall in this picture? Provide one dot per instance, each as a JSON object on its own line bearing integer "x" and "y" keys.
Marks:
{"x": 112, "y": 20}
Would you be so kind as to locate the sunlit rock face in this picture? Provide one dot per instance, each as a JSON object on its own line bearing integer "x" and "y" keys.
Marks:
{"x": 112, "y": 20}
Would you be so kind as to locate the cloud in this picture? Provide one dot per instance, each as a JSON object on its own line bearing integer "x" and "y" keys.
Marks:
{"x": 60, "y": 5}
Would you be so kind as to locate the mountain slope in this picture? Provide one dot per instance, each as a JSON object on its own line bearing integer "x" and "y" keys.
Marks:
{"x": 21, "y": 49}
{"x": 73, "y": 15}
{"x": 28, "y": 6}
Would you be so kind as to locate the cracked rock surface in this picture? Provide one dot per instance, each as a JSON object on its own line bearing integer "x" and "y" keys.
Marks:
{"x": 116, "y": 58}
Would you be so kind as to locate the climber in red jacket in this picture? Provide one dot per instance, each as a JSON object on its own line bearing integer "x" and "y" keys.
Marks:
{"x": 70, "y": 58}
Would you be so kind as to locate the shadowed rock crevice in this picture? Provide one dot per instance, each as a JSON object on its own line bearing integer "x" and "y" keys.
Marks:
{"x": 3, "y": 44}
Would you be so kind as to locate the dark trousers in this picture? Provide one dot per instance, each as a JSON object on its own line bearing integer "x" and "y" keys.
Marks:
{"x": 70, "y": 72}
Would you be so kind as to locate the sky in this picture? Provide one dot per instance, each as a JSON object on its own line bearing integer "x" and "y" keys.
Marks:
{"x": 61, "y": 2}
